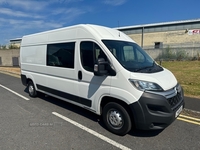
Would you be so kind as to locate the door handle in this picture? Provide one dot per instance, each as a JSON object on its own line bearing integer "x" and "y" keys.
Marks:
{"x": 79, "y": 75}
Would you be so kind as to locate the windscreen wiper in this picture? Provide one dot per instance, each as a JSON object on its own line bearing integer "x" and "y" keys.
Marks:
{"x": 148, "y": 67}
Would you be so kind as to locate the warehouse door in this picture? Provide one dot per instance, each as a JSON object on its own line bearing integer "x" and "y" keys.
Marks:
{"x": 15, "y": 61}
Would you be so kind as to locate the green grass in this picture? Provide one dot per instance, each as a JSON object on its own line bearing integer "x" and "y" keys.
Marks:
{"x": 188, "y": 75}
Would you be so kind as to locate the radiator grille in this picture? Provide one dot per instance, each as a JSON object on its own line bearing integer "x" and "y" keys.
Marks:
{"x": 173, "y": 101}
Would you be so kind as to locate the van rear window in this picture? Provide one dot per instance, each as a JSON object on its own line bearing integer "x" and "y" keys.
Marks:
{"x": 61, "y": 55}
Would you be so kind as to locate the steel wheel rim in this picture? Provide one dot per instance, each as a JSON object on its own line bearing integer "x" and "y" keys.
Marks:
{"x": 31, "y": 89}
{"x": 115, "y": 119}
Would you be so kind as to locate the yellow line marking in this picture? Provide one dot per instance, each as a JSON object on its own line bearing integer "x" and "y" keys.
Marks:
{"x": 191, "y": 118}
{"x": 193, "y": 122}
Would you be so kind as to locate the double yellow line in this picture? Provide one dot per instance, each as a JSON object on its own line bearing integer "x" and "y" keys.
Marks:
{"x": 189, "y": 119}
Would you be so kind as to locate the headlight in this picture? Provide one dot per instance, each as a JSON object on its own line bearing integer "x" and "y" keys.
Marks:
{"x": 144, "y": 85}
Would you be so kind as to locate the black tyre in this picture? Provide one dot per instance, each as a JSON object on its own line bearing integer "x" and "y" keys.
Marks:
{"x": 31, "y": 89}
{"x": 116, "y": 118}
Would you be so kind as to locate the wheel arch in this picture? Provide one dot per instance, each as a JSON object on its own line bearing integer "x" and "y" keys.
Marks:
{"x": 30, "y": 78}
{"x": 107, "y": 99}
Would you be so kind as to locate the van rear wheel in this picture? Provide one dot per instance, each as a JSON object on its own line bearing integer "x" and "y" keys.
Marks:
{"x": 116, "y": 118}
{"x": 31, "y": 89}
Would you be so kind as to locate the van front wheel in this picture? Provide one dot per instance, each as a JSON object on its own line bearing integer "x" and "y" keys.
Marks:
{"x": 116, "y": 118}
{"x": 31, "y": 89}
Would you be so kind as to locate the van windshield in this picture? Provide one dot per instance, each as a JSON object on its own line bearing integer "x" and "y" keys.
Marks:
{"x": 132, "y": 57}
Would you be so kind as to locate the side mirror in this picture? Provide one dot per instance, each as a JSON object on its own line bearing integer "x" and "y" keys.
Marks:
{"x": 100, "y": 68}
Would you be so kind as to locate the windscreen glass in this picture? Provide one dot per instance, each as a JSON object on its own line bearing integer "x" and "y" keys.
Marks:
{"x": 131, "y": 56}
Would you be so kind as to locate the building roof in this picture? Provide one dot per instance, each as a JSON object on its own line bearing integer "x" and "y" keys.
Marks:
{"x": 16, "y": 40}
{"x": 160, "y": 24}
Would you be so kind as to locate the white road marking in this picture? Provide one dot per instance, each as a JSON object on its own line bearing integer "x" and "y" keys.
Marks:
{"x": 92, "y": 132}
{"x": 14, "y": 92}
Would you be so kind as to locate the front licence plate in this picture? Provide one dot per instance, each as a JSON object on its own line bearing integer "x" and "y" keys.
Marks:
{"x": 178, "y": 111}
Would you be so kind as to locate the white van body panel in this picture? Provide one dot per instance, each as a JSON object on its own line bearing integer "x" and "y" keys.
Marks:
{"x": 129, "y": 93}
{"x": 164, "y": 78}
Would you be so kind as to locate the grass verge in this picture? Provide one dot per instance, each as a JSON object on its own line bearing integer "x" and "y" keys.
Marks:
{"x": 187, "y": 74}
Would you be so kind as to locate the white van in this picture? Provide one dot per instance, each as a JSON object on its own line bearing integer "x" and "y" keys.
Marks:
{"x": 105, "y": 71}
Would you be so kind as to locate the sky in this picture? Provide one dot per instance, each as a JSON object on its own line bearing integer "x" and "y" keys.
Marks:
{"x": 22, "y": 17}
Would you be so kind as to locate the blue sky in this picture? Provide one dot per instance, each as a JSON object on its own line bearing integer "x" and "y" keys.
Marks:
{"x": 21, "y": 17}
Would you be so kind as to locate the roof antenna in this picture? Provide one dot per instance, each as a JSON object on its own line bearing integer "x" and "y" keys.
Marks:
{"x": 118, "y": 29}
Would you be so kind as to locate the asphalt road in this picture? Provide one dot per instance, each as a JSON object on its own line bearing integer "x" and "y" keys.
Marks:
{"x": 192, "y": 104}
{"x": 48, "y": 123}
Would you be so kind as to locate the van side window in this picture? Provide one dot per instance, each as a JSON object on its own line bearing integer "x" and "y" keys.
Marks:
{"x": 90, "y": 52}
{"x": 61, "y": 55}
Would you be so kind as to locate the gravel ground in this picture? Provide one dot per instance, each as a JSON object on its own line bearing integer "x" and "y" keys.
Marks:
{"x": 15, "y": 70}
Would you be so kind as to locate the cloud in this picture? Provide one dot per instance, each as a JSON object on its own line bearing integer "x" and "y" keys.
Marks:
{"x": 41, "y": 25}
{"x": 67, "y": 15}
{"x": 74, "y": 13}
{"x": 66, "y": 1}
{"x": 30, "y": 5}
{"x": 18, "y": 28}
{"x": 23, "y": 24}
{"x": 14, "y": 13}
{"x": 35, "y": 5}
{"x": 3, "y": 1}
{"x": 114, "y": 2}
{"x": 65, "y": 11}
{"x": 22, "y": 17}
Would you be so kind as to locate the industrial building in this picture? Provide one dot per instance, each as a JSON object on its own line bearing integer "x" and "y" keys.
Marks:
{"x": 16, "y": 42}
{"x": 159, "y": 35}
{"x": 180, "y": 38}
{"x": 168, "y": 34}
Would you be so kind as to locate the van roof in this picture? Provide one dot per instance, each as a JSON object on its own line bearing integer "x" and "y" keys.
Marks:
{"x": 81, "y": 31}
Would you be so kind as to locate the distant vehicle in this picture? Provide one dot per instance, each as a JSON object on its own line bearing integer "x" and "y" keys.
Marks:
{"x": 104, "y": 71}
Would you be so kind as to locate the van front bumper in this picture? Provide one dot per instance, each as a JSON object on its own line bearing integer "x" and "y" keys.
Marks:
{"x": 157, "y": 110}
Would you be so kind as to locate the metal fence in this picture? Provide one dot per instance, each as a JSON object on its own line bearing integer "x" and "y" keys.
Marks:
{"x": 180, "y": 53}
